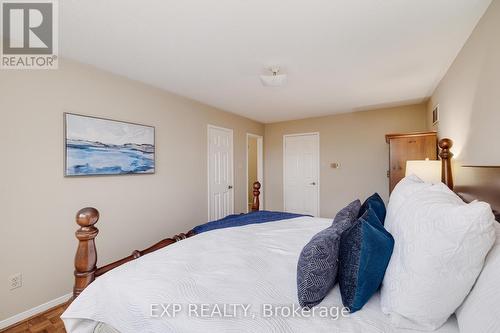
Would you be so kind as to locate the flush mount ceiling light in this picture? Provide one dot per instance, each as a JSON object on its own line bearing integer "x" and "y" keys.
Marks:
{"x": 275, "y": 79}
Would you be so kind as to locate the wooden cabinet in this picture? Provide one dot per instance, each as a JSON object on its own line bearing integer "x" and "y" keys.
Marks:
{"x": 405, "y": 147}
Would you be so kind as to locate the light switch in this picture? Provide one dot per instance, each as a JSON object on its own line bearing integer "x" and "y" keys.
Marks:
{"x": 335, "y": 165}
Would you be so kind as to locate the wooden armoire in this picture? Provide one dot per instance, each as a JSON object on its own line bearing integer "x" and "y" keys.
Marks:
{"x": 405, "y": 147}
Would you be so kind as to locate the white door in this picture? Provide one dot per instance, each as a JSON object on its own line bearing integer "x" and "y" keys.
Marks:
{"x": 301, "y": 173}
{"x": 259, "y": 156}
{"x": 220, "y": 173}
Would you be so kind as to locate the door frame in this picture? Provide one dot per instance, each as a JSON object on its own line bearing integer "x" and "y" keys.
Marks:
{"x": 260, "y": 167}
{"x": 318, "y": 166}
{"x": 230, "y": 130}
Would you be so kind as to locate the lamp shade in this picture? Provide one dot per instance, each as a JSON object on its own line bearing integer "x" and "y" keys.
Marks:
{"x": 428, "y": 171}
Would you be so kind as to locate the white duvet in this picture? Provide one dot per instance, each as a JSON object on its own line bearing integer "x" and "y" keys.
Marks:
{"x": 251, "y": 270}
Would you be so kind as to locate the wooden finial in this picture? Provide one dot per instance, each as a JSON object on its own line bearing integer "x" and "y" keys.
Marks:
{"x": 86, "y": 254}
{"x": 256, "y": 193}
{"x": 446, "y": 156}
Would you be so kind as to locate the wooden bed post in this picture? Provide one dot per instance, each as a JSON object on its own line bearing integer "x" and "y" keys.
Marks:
{"x": 256, "y": 193}
{"x": 446, "y": 156}
{"x": 86, "y": 270}
{"x": 86, "y": 254}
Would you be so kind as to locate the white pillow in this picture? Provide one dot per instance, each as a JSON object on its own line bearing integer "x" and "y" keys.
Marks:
{"x": 402, "y": 191}
{"x": 480, "y": 311}
{"x": 440, "y": 246}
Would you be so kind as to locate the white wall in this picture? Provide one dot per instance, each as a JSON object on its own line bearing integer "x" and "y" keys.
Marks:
{"x": 468, "y": 96}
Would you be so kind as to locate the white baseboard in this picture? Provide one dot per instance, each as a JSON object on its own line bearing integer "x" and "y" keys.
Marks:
{"x": 34, "y": 311}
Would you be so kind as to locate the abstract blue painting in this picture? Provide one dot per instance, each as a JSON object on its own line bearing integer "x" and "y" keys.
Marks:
{"x": 96, "y": 146}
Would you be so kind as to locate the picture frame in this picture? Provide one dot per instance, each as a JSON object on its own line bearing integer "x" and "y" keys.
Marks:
{"x": 435, "y": 115}
{"x": 95, "y": 146}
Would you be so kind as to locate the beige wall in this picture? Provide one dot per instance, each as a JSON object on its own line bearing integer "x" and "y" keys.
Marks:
{"x": 38, "y": 204}
{"x": 252, "y": 166}
{"x": 469, "y": 98}
{"x": 356, "y": 140}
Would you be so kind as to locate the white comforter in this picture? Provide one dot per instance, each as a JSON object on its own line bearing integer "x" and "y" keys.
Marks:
{"x": 248, "y": 266}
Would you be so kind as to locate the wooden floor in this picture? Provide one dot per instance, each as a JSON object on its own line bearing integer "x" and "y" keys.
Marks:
{"x": 47, "y": 322}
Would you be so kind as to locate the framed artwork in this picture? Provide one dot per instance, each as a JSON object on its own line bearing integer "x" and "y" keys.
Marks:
{"x": 98, "y": 146}
{"x": 435, "y": 115}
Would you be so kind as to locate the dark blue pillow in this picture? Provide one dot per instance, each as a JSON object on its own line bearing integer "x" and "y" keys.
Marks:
{"x": 318, "y": 262}
{"x": 365, "y": 251}
{"x": 376, "y": 203}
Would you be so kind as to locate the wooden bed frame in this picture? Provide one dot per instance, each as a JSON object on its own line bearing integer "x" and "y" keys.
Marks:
{"x": 86, "y": 269}
{"x": 86, "y": 254}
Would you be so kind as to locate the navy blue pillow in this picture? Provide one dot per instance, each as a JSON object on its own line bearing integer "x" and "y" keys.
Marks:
{"x": 365, "y": 251}
{"x": 376, "y": 203}
{"x": 318, "y": 262}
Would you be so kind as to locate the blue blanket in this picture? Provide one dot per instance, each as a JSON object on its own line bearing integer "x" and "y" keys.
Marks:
{"x": 238, "y": 220}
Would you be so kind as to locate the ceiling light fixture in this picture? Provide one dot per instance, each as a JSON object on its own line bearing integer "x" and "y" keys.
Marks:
{"x": 275, "y": 79}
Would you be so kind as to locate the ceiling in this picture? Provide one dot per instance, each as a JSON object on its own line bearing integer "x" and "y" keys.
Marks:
{"x": 340, "y": 55}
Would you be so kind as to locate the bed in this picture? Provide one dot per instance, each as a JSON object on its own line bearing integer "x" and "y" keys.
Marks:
{"x": 217, "y": 267}
{"x": 225, "y": 280}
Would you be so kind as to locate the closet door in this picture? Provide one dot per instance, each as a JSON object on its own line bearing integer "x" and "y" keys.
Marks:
{"x": 301, "y": 173}
{"x": 220, "y": 173}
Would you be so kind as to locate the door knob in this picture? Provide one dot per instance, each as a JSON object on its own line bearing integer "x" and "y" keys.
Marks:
{"x": 313, "y": 183}
{"x": 229, "y": 187}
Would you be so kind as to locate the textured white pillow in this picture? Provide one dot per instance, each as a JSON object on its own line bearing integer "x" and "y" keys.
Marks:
{"x": 480, "y": 311}
{"x": 403, "y": 190}
{"x": 440, "y": 246}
